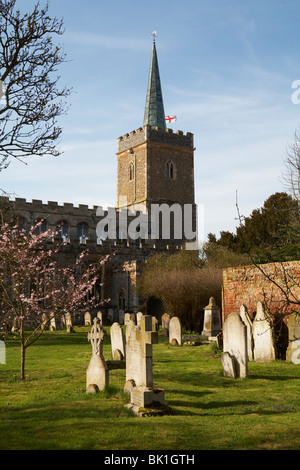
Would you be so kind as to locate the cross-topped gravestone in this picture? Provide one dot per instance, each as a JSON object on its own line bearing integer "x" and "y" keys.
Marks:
{"x": 97, "y": 372}
{"x": 139, "y": 366}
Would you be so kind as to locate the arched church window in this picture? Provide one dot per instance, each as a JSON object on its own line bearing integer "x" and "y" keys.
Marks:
{"x": 131, "y": 171}
{"x": 62, "y": 230}
{"x": 40, "y": 226}
{"x": 82, "y": 232}
{"x": 170, "y": 170}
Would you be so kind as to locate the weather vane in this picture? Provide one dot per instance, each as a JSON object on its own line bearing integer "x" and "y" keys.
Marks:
{"x": 154, "y": 35}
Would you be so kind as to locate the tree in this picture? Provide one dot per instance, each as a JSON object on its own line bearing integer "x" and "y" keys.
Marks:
{"x": 34, "y": 285}
{"x": 32, "y": 99}
{"x": 183, "y": 284}
{"x": 291, "y": 173}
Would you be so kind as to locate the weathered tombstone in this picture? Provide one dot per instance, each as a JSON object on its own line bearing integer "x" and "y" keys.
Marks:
{"x": 175, "y": 331}
{"x": 264, "y": 349}
{"x": 117, "y": 342}
{"x": 2, "y": 353}
{"x": 247, "y": 321}
{"x": 100, "y": 316}
{"x": 97, "y": 374}
{"x": 69, "y": 324}
{"x": 155, "y": 328}
{"x": 139, "y": 316}
{"x": 212, "y": 319}
{"x": 293, "y": 350}
{"x": 87, "y": 319}
{"x": 45, "y": 321}
{"x": 235, "y": 343}
{"x": 126, "y": 318}
{"x": 129, "y": 326}
{"x": 165, "y": 320}
{"x": 139, "y": 367}
{"x": 52, "y": 322}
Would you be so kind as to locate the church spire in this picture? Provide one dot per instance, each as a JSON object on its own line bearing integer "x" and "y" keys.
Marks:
{"x": 154, "y": 109}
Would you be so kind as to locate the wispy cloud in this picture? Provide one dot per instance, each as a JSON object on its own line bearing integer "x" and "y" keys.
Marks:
{"x": 110, "y": 42}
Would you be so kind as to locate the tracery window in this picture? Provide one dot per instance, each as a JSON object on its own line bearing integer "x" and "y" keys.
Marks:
{"x": 170, "y": 170}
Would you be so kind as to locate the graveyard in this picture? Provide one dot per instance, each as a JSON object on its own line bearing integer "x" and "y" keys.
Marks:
{"x": 51, "y": 409}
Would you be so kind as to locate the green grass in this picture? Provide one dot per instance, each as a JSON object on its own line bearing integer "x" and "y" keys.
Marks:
{"x": 51, "y": 410}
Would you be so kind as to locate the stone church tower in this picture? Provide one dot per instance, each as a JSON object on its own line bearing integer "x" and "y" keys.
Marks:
{"x": 155, "y": 165}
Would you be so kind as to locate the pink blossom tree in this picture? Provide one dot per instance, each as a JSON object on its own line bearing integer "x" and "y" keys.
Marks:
{"x": 34, "y": 284}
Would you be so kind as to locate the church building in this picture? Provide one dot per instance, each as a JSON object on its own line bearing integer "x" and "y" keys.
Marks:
{"x": 155, "y": 171}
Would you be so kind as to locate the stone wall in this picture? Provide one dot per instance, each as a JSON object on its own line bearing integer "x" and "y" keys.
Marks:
{"x": 247, "y": 285}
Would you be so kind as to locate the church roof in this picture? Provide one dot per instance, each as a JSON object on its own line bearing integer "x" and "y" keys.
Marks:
{"x": 154, "y": 109}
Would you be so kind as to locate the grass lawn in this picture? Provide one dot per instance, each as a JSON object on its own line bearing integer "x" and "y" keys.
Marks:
{"x": 50, "y": 410}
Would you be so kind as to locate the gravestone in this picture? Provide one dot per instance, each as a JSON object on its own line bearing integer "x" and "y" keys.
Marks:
{"x": 69, "y": 324}
{"x": 247, "y": 321}
{"x": 264, "y": 349}
{"x": 129, "y": 325}
{"x": 139, "y": 368}
{"x": 293, "y": 350}
{"x": 165, "y": 320}
{"x": 117, "y": 342}
{"x": 97, "y": 374}
{"x": 87, "y": 319}
{"x": 52, "y": 321}
{"x": 229, "y": 366}
{"x": 126, "y": 318}
{"x": 212, "y": 319}
{"x": 235, "y": 343}
{"x": 175, "y": 331}
{"x": 2, "y": 353}
{"x": 100, "y": 316}
{"x": 45, "y": 321}
{"x": 139, "y": 316}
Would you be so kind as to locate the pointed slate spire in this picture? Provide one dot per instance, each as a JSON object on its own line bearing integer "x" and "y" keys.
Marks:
{"x": 154, "y": 109}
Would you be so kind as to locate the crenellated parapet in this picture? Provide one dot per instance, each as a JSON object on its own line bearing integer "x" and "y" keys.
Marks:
{"x": 155, "y": 135}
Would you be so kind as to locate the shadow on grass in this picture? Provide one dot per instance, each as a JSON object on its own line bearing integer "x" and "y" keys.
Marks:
{"x": 242, "y": 407}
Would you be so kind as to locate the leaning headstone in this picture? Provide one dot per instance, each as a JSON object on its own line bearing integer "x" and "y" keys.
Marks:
{"x": 117, "y": 342}
{"x": 139, "y": 368}
{"x": 126, "y": 318}
{"x": 235, "y": 343}
{"x": 87, "y": 319}
{"x": 212, "y": 319}
{"x": 264, "y": 348}
{"x": 175, "y": 331}
{"x": 155, "y": 328}
{"x": 247, "y": 321}
{"x": 293, "y": 350}
{"x": 97, "y": 374}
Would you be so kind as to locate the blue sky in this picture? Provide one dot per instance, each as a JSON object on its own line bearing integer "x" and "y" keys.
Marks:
{"x": 226, "y": 67}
